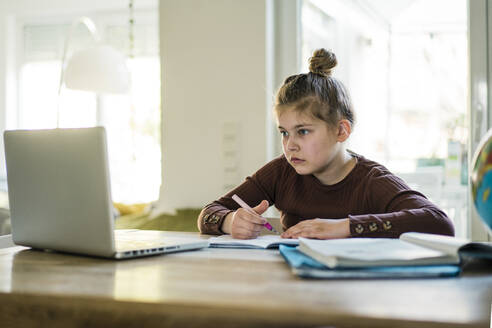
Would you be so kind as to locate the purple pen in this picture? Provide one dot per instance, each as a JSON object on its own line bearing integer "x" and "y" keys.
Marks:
{"x": 246, "y": 207}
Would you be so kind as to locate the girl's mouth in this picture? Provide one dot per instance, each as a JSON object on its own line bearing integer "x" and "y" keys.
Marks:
{"x": 296, "y": 160}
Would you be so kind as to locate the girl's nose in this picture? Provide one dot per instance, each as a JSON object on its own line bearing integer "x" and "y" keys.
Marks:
{"x": 291, "y": 145}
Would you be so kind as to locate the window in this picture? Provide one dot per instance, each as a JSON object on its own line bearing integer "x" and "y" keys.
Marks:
{"x": 405, "y": 66}
{"x": 132, "y": 121}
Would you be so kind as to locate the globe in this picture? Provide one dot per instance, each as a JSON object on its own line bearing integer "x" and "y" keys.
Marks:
{"x": 481, "y": 180}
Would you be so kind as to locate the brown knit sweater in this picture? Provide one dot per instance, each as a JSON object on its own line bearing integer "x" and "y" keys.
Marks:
{"x": 378, "y": 203}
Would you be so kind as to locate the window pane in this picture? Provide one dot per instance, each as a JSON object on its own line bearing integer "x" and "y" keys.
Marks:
{"x": 38, "y": 99}
{"x": 405, "y": 66}
{"x": 132, "y": 121}
{"x": 134, "y": 134}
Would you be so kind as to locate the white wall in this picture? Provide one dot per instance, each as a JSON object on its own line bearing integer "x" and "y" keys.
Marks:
{"x": 213, "y": 59}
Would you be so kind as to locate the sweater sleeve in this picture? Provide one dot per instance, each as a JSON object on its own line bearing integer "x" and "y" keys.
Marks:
{"x": 261, "y": 185}
{"x": 399, "y": 209}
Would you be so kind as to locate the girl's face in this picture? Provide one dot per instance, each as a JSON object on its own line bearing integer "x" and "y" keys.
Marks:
{"x": 309, "y": 144}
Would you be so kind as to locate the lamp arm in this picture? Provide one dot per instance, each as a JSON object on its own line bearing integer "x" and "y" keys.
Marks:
{"x": 89, "y": 23}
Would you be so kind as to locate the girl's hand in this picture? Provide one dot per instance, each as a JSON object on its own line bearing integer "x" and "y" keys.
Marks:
{"x": 320, "y": 229}
{"x": 243, "y": 224}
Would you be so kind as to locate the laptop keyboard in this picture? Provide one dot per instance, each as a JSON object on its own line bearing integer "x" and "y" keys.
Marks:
{"x": 123, "y": 245}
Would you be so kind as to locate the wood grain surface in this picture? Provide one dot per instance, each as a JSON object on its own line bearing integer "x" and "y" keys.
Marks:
{"x": 224, "y": 288}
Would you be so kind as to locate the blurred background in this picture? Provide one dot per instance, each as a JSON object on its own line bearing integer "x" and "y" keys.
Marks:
{"x": 198, "y": 120}
{"x": 405, "y": 64}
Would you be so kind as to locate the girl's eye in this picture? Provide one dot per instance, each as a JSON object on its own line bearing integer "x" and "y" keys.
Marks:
{"x": 284, "y": 133}
{"x": 302, "y": 132}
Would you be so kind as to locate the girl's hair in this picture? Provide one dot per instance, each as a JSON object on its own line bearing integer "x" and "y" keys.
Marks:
{"x": 317, "y": 92}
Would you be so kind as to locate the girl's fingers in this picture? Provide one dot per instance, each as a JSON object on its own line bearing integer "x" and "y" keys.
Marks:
{"x": 250, "y": 217}
{"x": 241, "y": 233}
{"x": 242, "y": 228}
{"x": 290, "y": 233}
{"x": 245, "y": 225}
{"x": 302, "y": 229}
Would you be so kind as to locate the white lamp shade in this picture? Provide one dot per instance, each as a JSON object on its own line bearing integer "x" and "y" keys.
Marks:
{"x": 101, "y": 69}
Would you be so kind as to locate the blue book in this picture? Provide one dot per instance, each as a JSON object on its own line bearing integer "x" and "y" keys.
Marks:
{"x": 307, "y": 267}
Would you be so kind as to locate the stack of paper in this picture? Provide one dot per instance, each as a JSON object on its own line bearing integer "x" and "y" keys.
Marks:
{"x": 306, "y": 267}
{"x": 413, "y": 255}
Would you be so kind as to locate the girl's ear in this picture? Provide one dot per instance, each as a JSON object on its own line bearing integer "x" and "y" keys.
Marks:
{"x": 344, "y": 130}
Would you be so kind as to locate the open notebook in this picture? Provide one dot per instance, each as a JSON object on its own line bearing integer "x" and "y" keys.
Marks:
{"x": 266, "y": 241}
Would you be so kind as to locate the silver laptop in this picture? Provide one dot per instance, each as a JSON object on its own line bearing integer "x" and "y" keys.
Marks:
{"x": 60, "y": 197}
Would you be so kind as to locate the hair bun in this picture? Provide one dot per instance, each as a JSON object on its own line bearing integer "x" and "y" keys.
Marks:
{"x": 322, "y": 62}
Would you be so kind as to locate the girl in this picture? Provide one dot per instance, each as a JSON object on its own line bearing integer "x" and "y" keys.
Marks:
{"x": 321, "y": 189}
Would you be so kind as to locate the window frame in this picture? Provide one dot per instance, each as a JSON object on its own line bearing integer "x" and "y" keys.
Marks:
{"x": 480, "y": 84}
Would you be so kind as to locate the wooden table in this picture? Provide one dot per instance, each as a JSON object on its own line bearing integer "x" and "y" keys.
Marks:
{"x": 223, "y": 288}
